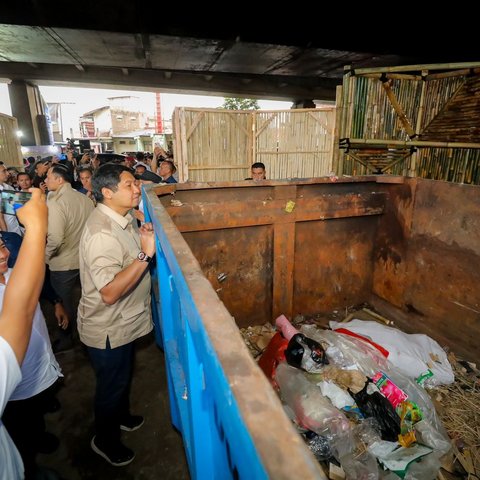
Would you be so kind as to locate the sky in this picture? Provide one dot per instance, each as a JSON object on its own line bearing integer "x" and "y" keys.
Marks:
{"x": 82, "y": 100}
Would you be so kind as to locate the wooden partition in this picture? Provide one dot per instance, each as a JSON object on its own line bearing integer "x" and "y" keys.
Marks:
{"x": 221, "y": 145}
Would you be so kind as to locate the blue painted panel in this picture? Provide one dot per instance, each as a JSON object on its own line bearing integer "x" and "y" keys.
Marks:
{"x": 203, "y": 408}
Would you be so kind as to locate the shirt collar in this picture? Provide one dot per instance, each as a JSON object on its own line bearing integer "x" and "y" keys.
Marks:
{"x": 60, "y": 190}
{"x": 123, "y": 221}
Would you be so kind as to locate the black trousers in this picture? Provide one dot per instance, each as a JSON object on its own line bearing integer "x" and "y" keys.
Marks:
{"x": 67, "y": 285}
{"x": 113, "y": 370}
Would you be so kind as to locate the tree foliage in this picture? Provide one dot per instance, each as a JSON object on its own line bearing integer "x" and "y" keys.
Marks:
{"x": 240, "y": 104}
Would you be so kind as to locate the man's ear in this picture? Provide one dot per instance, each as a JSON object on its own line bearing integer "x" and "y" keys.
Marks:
{"x": 107, "y": 193}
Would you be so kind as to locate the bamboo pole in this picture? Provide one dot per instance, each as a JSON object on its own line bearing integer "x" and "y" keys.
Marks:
{"x": 398, "y": 109}
{"x": 410, "y": 143}
{"x": 183, "y": 174}
{"x": 359, "y": 160}
{"x": 418, "y": 127}
{"x": 396, "y": 161}
{"x": 393, "y": 76}
{"x": 420, "y": 67}
{"x": 337, "y": 155}
{"x": 458, "y": 73}
{"x": 194, "y": 124}
{"x": 267, "y": 122}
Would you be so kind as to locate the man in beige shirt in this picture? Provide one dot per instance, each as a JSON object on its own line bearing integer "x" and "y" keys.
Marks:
{"x": 68, "y": 211}
{"x": 114, "y": 309}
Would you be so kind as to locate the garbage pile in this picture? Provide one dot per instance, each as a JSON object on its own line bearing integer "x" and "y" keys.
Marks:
{"x": 357, "y": 395}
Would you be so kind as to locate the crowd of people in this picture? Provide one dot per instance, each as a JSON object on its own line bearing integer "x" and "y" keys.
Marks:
{"x": 96, "y": 255}
{"x": 88, "y": 254}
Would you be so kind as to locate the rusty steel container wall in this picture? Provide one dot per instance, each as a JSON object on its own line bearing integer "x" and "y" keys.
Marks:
{"x": 427, "y": 260}
{"x": 267, "y": 248}
{"x": 231, "y": 420}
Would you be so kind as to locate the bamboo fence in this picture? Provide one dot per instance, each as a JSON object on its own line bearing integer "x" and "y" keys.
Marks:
{"x": 10, "y": 152}
{"x": 221, "y": 145}
{"x": 430, "y": 121}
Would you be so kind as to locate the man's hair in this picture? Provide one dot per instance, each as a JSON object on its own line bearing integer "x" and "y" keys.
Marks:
{"x": 60, "y": 170}
{"x": 173, "y": 168}
{"x": 107, "y": 176}
{"x": 258, "y": 165}
{"x": 24, "y": 173}
{"x": 84, "y": 168}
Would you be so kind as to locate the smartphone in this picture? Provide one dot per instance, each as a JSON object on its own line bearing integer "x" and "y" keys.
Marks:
{"x": 11, "y": 201}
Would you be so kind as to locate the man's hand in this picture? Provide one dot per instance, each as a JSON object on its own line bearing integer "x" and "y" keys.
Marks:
{"x": 61, "y": 316}
{"x": 147, "y": 239}
{"x": 138, "y": 215}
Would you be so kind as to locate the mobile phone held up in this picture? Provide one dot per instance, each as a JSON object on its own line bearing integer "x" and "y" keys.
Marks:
{"x": 11, "y": 201}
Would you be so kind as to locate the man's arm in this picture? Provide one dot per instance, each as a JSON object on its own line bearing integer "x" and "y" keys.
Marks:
{"x": 56, "y": 232}
{"x": 25, "y": 283}
{"x": 126, "y": 280}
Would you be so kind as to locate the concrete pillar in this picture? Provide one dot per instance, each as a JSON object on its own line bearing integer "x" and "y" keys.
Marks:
{"x": 31, "y": 113}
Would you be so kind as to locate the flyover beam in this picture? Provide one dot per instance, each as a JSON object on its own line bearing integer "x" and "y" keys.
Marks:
{"x": 222, "y": 84}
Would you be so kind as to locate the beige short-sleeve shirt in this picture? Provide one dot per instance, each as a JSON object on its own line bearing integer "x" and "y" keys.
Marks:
{"x": 108, "y": 245}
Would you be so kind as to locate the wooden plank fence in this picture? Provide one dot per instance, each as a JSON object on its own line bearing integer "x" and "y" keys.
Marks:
{"x": 221, "y": 145}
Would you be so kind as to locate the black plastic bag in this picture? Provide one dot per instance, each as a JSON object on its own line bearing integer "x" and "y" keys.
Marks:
{"x": 377, "y": 406}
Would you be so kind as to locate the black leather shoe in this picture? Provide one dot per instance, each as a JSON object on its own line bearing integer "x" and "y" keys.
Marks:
{"x": 117, "y": 455}
{"x": 131, "y": 423}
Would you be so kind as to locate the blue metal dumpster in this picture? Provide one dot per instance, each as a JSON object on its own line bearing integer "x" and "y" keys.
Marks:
{"x": 236, "y": 254}
{"x": 231, "y": 420}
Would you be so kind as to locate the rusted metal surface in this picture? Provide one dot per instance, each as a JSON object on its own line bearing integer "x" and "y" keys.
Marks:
{"x": 414, "y": 243}
{"x": 238, "y": 263}
{"x": 428, "y": 257}
{"x": 283, "y": 452}
{"x": 391, "y": 243}
{"x": 333, "y": 266}
{"x": 200, "y": 216}
{"x": 275, "y": 246}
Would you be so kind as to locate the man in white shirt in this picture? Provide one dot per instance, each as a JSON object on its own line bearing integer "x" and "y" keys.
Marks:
{"x": 23, "y": 415}
{"x": 20, "y": 302}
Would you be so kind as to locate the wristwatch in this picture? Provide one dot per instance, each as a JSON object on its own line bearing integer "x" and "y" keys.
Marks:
{"x": 143, "y": 257}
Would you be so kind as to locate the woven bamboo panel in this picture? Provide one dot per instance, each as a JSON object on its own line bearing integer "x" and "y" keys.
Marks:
{"x": 215, "y": 144}
{"x": 439, "y": 108}
{"x": 295, "y": 143}
{"x": 221, "y": 145}
{"x": 10, "y": 153}
{"x": 448, "y": 164}
{"x": 372, "y": 114}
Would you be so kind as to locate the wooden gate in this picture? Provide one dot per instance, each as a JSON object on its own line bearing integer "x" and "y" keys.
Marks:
{"x": 221, "y": 145}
